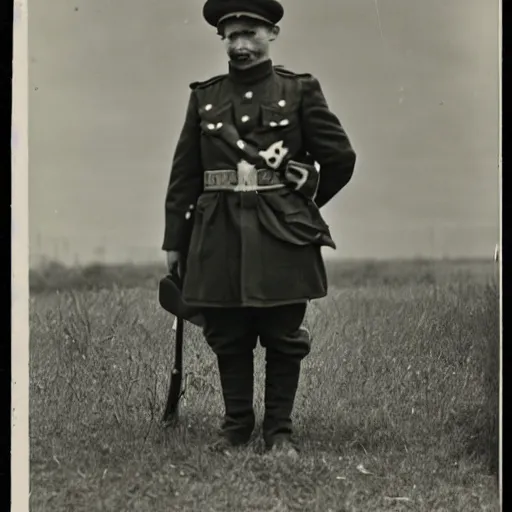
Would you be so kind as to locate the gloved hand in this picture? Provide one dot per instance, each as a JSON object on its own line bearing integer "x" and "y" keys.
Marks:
{"x": 302, "y": 177}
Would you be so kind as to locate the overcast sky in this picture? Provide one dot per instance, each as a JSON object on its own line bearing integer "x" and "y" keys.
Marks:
{"x": 414, "y": 82}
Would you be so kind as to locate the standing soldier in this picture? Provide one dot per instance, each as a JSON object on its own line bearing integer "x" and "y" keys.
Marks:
{"x": 242, "y": 211}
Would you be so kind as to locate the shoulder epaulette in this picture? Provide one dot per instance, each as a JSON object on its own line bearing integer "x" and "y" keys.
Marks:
{"x": 207, "y": 83}
{"x": 281, "y": 70}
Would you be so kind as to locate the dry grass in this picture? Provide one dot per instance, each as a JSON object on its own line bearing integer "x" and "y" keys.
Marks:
{"x": 402, "y": 380}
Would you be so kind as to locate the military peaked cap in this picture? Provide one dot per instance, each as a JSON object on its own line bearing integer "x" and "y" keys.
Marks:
{"x": 216, "y": 11}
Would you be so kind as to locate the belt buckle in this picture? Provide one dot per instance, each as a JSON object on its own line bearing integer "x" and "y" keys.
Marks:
{"x": 247, "y": 177}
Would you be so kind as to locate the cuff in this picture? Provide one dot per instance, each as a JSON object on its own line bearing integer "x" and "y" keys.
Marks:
{"x": 178, "y": 230}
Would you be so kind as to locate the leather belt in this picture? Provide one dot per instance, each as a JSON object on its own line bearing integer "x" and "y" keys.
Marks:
{"x": 243, "y": 180}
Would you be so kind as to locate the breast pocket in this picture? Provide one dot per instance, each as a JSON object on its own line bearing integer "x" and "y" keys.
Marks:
{"x": 213, "y": 119}
{"x": 279, "y": 119}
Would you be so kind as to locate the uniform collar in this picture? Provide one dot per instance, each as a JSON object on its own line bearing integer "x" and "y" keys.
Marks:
{"x": 251, "y": 75}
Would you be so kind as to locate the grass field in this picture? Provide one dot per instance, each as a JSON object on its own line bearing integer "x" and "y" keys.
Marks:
{"x": 396, "y": 409}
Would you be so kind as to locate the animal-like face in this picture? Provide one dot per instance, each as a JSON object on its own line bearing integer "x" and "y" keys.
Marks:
{"x": 247, "y": 41}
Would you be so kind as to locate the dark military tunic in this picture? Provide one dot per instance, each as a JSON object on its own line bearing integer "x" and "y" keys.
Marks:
{"x": 260, "y": 248}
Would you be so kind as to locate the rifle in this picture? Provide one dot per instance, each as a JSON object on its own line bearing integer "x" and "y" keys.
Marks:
{"x": 170, "y": 299}
{"x": 169, "y": 295}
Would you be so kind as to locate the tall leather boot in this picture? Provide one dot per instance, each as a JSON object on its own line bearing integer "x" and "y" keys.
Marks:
{"x": 237, "y": 381}
{"x": 281, "y": 382}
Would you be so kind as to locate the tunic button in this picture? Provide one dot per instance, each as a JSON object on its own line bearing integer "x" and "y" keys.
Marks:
{"x": 282, "y": 103}
{"x": 211, "y": 127}
{"x": 208, "y": 107}
{"x": 248, "y": 95}
{"x": 273, "y": 123}
{"x": 245, "y": 119}
{"x": 241, "y": 144}
{"x": 219, "y": 125}
{"x": 284, "y": 122}
{"x": 188, "y": 215}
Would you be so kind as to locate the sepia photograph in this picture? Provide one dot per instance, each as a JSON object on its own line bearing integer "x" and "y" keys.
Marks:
{"x": 264, "y": 255}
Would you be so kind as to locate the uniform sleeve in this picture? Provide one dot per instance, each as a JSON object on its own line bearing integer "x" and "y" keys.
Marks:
{"x": 185, "y": 183}
{"x": 326, "y": 140}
